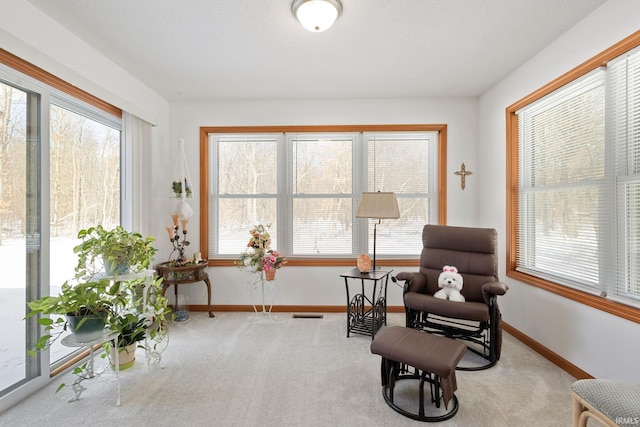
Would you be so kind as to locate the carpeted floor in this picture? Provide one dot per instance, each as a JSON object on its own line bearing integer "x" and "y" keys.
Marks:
{"x": 241, "y": 370}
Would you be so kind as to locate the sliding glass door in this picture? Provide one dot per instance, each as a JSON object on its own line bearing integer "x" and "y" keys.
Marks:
{"x": 60, "y": 162}
{"x": 20, "y": 237}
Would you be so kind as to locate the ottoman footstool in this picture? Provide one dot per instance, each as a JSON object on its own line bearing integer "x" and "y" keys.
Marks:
{"x": 411, "y": 354}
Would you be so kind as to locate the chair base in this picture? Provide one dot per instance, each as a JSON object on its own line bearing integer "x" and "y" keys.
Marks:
{"x": 393, "y": 372}
{"x": 450, "y": 328}
{"x": 491, "y": 362}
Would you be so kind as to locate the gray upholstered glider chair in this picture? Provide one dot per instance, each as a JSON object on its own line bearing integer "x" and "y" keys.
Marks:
{"x": 473, "y": 251}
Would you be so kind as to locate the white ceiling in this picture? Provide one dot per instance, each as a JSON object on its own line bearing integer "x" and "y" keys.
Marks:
{"x": 255, "y": 49}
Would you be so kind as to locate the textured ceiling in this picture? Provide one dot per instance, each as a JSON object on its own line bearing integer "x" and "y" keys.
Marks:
{"x": 255, "y": 49}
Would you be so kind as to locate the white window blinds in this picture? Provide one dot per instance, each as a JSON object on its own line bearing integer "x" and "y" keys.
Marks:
{"x": 243, "y": 189}
{"x": 561, "y": 181}
{"x": 321, "y": 193}
{"x": 404, "y": 163}
{"x": 623, "y": 122}
{"x": 579, "y": 183}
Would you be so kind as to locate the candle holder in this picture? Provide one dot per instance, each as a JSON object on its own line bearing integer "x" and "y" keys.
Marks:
{"x": 179, "y": 243}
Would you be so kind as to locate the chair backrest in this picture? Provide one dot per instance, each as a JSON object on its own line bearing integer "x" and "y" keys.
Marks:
{"x": 473, "y": 251}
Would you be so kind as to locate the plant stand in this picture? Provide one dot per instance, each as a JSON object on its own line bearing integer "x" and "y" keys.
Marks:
{"x": 77, "y": 386}
{"x": 268, "y": 293}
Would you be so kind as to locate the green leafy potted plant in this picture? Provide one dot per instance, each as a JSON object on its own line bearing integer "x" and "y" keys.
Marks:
{"x": 155, "y": 309}
{"x": 84, "y": 307}
{"x": 144, "y": 316}
{"x": 117, "y": 250}
{"x": 133, "y": 329}
{"x": 176, "y": 187}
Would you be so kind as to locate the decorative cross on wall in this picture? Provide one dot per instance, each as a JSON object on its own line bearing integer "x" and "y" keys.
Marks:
{"x": 463, "y": 172}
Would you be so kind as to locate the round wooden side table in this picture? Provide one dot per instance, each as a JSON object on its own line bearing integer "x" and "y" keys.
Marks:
{"x": 184, "y": 275}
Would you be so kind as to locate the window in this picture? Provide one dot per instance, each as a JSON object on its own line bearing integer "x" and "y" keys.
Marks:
{"x": 306, "y": 184}
{"x": 575, "y": 210}
{"x": 563, "y": 193}
{"x": 84, "y": 185}
{"x": 406, "y": 163}
{"x": 322, "y": 190}
{"x": 60, "y": 159}
{"x": 19, "y": 218}
{"x": 247, "y": 186}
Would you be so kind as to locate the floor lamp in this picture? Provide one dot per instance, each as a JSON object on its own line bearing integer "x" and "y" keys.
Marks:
{"x": 378, "y": 205}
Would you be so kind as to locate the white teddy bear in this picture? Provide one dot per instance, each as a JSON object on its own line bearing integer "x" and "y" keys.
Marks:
{"x": 450, "y": 284}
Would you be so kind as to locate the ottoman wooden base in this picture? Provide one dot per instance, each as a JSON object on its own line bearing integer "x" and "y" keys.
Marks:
{"x": 411, "y": 354}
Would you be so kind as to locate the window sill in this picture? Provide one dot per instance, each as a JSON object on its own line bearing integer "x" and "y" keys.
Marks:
{"x": 595, "y": 301}
{"x": 324, "y": 262}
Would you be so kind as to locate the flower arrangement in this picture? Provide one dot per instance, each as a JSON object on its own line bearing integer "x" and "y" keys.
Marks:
{"x": 259, "y": 256}
{"x": 260, "y": 238}
{"x": 249, "y": 260}
{"x": 272, "y": 261}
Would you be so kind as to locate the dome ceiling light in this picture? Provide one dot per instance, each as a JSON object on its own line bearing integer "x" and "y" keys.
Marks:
{"x": 316, "y": 15}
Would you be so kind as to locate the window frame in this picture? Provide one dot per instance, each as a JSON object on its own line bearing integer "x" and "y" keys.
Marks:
{"x": 307, "y": 261}
{"x": 512, "y": 168}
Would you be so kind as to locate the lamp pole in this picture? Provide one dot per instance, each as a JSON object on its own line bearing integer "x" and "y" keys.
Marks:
{"x": 375, "y": 232}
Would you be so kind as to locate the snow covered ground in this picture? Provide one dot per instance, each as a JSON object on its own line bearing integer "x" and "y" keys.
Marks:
{"x": 13, "y": 302}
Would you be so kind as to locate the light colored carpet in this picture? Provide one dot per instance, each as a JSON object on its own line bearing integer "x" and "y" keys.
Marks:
{"x": 238, "y": 370}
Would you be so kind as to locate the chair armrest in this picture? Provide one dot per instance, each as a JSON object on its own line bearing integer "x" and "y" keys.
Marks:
{"x": 414, "y": 281}
{"x": 494, "y": 288}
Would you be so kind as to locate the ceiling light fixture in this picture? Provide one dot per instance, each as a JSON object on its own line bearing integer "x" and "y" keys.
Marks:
{"x": 316, "y": 15}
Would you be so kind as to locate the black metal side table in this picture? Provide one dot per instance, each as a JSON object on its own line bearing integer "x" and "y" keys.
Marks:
{"x": 366, "y": 315}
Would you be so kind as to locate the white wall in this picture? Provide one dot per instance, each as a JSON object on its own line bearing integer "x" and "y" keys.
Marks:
{"x": 318, "y": 285}
{"x": 599, "y": 343}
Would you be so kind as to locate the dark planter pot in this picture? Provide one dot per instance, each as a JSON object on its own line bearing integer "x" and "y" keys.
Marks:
{"x": 86, "y": 328}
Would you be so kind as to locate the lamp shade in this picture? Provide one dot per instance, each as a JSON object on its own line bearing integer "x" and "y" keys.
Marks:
{"x": 380, "y": 205}
{"x": 316, "y": 15}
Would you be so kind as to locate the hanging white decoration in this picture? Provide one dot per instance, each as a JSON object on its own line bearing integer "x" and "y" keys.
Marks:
{"x": 181, "y": 185}
{"x": 184, "y": 210}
